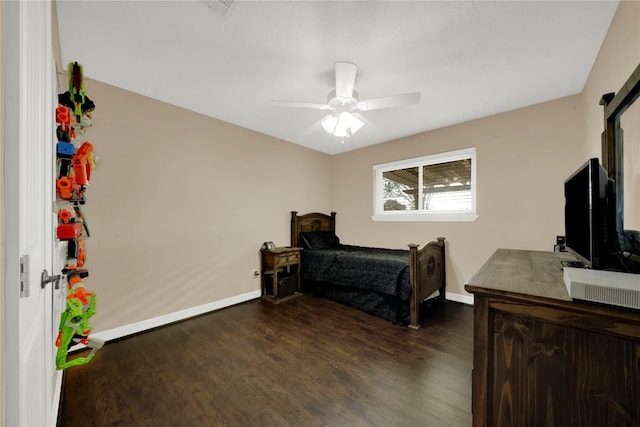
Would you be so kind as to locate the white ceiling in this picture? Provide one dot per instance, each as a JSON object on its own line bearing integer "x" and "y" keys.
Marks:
{"x": 468, "y": 59}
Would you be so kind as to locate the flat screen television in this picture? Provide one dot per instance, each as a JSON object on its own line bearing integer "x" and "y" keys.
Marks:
{"x": 589, "y": 216}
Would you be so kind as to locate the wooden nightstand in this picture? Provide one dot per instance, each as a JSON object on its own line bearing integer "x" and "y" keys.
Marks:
{"x": 280, "y": 274}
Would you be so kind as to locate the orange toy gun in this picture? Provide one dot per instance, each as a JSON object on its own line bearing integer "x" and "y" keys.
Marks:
{"x": 72, "y": 226}
{"x": 63, "y": 119}
{"x": 68, "y": 212}
{"x": 82, "y": 163}
{"x": 67, "y": 187}
{"x": 74, "y": 278}
{"x": 65, "y": 216}
{"x": 64, "y": 132}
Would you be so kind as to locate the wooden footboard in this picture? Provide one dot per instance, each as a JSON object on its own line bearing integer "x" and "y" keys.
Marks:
{"x": 427, "y": 275}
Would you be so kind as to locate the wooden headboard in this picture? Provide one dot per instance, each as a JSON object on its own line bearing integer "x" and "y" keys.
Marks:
{"x": 314, "y": 221}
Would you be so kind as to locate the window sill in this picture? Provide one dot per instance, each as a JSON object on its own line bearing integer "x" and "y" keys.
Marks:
{"x": 433, "y": 216}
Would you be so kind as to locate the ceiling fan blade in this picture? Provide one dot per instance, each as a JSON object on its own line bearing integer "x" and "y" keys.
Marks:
{"x": 389, "y": 101}
{"x": 367, "y": 123}
{"x": 316, "y": 126}
{"x": 345, "y": 79}
{"x": 300, "y": 105}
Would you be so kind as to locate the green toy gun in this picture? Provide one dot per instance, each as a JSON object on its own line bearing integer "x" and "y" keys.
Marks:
{"x": 75, "y": 328}
{"x": 76, "y": 89}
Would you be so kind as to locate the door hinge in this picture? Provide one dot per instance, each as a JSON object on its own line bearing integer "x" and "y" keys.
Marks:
{"x": 24, "y": 277}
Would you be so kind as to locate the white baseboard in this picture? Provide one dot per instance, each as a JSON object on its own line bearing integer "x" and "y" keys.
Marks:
{"x": 465, "y": 299}
{"x": 144, "y": 325}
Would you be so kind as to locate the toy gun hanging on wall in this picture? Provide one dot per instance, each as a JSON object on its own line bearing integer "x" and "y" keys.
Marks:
{"x": 75, "y": 162}
{"x": 71, "y": 222}
{"x": 72, "y": 227}
{"x": 77, "y": 93}
{"x": 76, "y": 252}
{"x": 64, "y": 132}
{"x": 75, "y": 329}
{"x": 83, "y": 163}
{"x": 72, "y": 183}
{"x": 74, "y": 323}
{"x": 76, "y": 98}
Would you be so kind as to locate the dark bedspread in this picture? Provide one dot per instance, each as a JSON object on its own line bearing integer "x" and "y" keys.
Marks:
{"x": 383, "y": 271}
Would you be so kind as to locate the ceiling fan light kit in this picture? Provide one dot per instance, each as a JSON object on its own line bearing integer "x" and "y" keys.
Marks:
{"x": 343, "y": 124}
{"x": 344, "y": 103}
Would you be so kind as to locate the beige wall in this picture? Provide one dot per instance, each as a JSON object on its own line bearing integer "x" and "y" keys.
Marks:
{"x": 522, "y": 158}
{"x": 618, "y": 57}
{"x": 180, "y": 203}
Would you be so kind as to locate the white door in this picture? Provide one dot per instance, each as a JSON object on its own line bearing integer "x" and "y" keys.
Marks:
{"x": 32, "y": 383}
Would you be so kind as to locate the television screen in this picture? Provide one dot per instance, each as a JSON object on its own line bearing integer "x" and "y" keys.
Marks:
{"x": 589, "y": 230}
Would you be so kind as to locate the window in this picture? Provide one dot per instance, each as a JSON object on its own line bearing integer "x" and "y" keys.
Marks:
{"x": 441, "y": 187}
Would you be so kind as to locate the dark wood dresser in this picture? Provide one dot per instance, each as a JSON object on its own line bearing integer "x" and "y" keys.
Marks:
{"x": 541, "y": 359}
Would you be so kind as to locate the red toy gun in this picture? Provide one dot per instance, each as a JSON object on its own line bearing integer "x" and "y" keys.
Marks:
{"x": 69, "y": 231}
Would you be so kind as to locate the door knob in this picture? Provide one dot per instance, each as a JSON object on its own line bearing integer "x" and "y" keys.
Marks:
{"x": 45, "y": 279}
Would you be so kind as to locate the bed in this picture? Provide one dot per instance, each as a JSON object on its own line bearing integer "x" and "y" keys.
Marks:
{"x": 391, "y": 283}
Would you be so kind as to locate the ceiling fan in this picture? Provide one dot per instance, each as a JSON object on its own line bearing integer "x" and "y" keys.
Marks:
{"x": 345, "y": 118}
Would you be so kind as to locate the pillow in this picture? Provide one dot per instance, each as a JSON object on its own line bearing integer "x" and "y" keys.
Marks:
{"x": 319, "y": 239}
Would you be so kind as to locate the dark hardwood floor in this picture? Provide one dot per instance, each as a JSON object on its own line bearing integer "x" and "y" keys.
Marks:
{"x": 305, "y": 362}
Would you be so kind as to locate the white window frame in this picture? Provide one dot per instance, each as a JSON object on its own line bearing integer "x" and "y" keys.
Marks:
{"x": 422, "y": 215}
